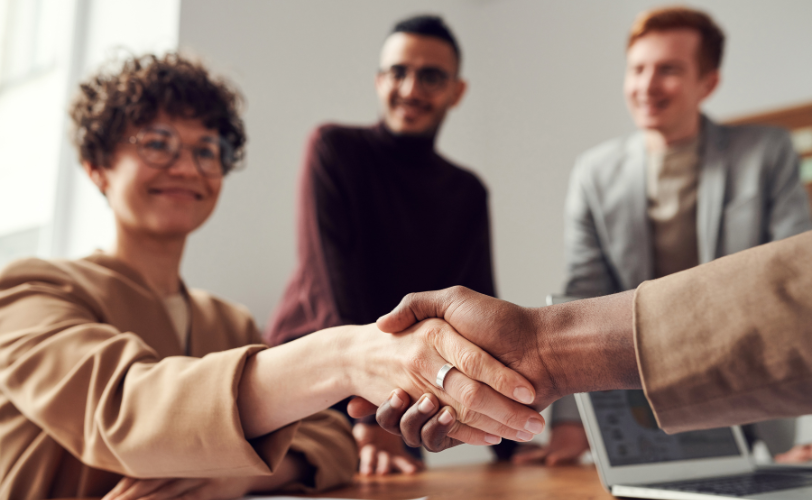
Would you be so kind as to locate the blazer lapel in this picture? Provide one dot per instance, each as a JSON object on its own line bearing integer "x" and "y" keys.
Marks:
{"x": 632, "y": 246}
{"x": 711, "y": 190}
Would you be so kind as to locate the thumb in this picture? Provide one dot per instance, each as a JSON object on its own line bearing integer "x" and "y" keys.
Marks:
{"x": 416, "y": 307}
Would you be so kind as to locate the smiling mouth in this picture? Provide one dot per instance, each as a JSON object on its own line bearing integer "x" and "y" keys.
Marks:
{"x": 177, "y": 193}
{"x": 653, "y": 106}
{"x": 412, "y": 107}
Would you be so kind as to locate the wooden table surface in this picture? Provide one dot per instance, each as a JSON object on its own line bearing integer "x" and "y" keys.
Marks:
{"x": 480, "y": 482}
{"x": 475, "y": 482}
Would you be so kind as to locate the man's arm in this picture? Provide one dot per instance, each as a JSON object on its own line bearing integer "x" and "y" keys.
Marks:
{"x": 728, "y": 342}
{"x": 579, "y": 346}
{"x": 721, "y": 344}
{"x": 789, "y": 210}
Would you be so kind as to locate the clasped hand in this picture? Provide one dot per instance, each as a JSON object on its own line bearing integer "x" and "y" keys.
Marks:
{"x": 483, "y": 399}
{"x": 489, "y": 326}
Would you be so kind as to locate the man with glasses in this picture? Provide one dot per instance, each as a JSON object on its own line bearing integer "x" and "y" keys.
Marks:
{"x": 382, "y": 214}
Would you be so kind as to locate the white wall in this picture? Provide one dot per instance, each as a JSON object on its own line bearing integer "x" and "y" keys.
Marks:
{"x": 33, "y": 72}
{"x": 103, "y": 31}
{"x": 545, "y": 80}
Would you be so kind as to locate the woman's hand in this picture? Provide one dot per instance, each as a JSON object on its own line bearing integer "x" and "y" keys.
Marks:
{"x": 383, "y": 453}
{"x": 299, "y": 378}
{"x": 223, "y": 488}
{"x": 482, "y": 392}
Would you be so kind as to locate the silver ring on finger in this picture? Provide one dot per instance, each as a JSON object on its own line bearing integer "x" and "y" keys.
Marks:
{"x": 441, "y": 375}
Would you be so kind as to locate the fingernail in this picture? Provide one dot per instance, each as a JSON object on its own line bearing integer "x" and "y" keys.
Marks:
{"x": 534, "y": 425}
{"x": 491, "y": 439}
{"x": 445, "y": 417}
{"x": 524, "y": 436}
{"x": 523, "y": 395}
{"x": 395, "y": 402}
{"x": 425, "y": 406}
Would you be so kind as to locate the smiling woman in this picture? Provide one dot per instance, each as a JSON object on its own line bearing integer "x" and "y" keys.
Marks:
{"x": 118, "y": 380}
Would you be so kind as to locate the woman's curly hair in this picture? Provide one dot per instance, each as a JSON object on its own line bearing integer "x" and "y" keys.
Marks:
{"x": 141, "y": 87}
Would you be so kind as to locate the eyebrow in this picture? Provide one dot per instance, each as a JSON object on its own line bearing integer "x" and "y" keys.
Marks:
{"x": 671, "y": 62}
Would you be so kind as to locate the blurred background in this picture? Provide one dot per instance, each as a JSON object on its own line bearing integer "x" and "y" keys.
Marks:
{"x": 544, "y": 85}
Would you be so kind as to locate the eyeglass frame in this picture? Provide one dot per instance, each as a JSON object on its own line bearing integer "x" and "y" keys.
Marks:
{"x": 418, "y": 81}
{"x": 225, "y": 151}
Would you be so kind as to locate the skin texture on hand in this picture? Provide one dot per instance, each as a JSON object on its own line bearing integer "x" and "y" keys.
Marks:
{"x": 334, "y": 364}
{"x": 383, "y": 453}
{"x": 567, "y": 444}
{"x": 580, "y": 346}
{"x": 798, "y": 454}
{"x": 425, "y": 423}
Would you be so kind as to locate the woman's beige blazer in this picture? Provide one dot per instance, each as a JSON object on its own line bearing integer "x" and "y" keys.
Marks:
{"x": 93, "y": 386}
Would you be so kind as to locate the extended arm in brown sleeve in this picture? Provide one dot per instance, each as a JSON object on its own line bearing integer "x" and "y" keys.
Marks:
{"x": 109, "y": 400}
{"x": 729, "y": 342}
{"x": 324, "y": 440}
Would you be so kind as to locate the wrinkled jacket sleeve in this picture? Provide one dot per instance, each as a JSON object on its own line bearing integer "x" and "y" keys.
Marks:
{"x": 729, "y": 342}
{"x": 325, "y": 440}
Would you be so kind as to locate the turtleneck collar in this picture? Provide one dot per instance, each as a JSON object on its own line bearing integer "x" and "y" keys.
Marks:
{"x": 406, "y": 146}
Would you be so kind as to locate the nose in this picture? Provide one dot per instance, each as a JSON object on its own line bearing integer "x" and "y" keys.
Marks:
{"x": 184, "y": 164}
{"x": 648, "y": 82}
{"x": 409, "y": 85}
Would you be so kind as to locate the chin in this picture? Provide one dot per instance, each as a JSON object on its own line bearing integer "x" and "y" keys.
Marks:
{"x": 411, "y": 129}
{"x": 649, "y": 123}
{"x": 175, "y": 229}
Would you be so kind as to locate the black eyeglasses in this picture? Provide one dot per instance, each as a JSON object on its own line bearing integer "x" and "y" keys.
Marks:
{"x": 429, "y": 79}
{"x": 160, "y": 146}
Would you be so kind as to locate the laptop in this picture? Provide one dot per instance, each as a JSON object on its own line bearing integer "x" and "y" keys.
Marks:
{"x": 636, "y": 459}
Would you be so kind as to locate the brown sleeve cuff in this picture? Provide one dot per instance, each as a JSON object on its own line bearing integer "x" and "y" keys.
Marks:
{"x": 725, "y": 343}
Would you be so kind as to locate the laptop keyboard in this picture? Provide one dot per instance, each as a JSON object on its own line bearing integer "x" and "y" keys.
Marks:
{"x": 743, "y": 485}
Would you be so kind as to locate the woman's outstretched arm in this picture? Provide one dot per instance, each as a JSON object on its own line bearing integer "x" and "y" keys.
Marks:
{"x": 285, "y": 383}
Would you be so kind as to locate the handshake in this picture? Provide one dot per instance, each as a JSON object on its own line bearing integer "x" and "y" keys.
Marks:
{"x": 494, "y": 365}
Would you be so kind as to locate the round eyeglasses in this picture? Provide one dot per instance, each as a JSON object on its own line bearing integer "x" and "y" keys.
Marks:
{"x": 430, "y": 79}
{"x": 160, "y": 146}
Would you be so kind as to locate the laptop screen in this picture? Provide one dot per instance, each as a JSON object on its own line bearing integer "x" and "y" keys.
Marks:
{"x": 631, "y": 435}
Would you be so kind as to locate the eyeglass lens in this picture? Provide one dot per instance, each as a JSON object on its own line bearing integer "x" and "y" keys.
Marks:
{"x": 160, "y": 147}
{"x": 430, "y": 79}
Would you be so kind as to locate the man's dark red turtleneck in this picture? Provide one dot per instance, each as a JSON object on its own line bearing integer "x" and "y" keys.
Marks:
{"x": 379, "y": 216}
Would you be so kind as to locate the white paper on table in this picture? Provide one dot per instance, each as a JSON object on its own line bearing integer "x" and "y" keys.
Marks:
{"x": 273, "y": 497}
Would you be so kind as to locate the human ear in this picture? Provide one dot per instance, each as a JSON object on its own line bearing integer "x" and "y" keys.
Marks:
{"x": 381, "y": 86}
{"x": 459, "y": 91}
{"x": 96, "y": 174}
{"x": 711, "y": 81}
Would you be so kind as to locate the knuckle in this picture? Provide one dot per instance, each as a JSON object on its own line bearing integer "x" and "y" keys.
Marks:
{"x": 388, "y": 419}
{"x": 469, "y": 362}
{"x": 388, "y": 424}
{"x": 467, "y": 416}
{"x": 472, "y": 395}
{"x": 433, "y": 444}
{"x": 410, "y": 441}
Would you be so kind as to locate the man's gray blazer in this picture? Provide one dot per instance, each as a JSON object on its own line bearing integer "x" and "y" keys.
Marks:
{"x": 749, "y": 193}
